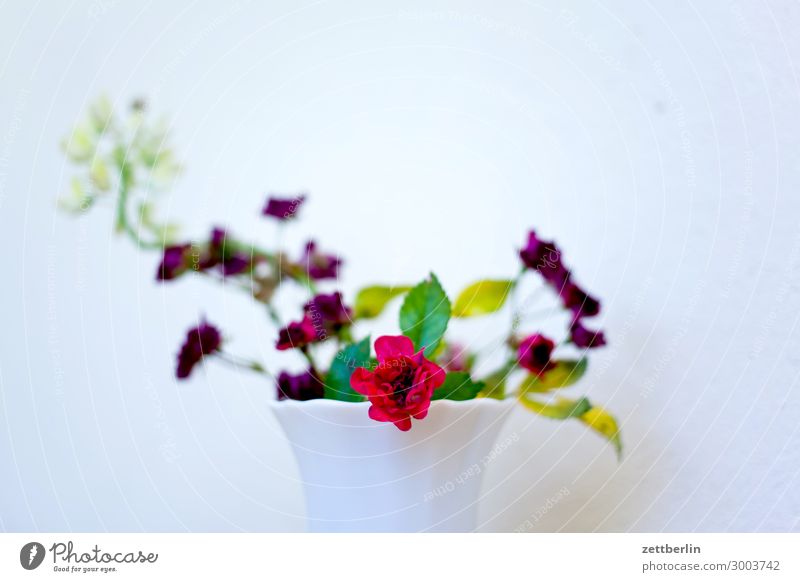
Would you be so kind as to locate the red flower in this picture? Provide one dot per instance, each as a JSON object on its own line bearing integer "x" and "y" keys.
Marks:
{"x": 534, "y": 354}
{"x": 402, "y": 384}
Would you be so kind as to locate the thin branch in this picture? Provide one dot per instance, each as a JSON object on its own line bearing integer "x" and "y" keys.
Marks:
{"x": 239, "y": 363}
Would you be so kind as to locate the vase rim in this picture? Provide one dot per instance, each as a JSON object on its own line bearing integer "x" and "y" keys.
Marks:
{"x": 331, "y": 403}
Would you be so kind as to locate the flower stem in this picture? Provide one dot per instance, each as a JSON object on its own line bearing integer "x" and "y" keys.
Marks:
{"x": 239, "y": 363}
{"x": 546, "y": 312}
{"x": 307, "y": 355}
{"x": 123, "y": 223}
{"x": 274, "y": 315}
{"x": 122, "y": 204}
{"x": 513, "y": 301}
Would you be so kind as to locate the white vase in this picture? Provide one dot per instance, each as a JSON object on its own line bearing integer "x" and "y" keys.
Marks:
{"x": 360, "y": 475}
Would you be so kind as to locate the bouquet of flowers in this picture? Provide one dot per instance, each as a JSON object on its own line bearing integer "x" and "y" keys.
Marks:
{"x": 400, "y": 374}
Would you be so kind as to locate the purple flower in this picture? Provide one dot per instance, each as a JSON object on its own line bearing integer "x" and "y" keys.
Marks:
{"x": 235, "y": 264}
{"x": 201, "y": 341}
{"x": 328, "y": 312}
{"x": 173, "y": 263}
{"x": 283, "y": 208}
{"x": 217, "y": 240}
{"x": 581, "y": 303}
{"x": 211, "y": 255}
{"x": 545, "y": 257}
{"x": 221, "y": 252}
{"x": 305, "y": 386}
{"x": 297, "y": 334}
{"x": 318, "y": 265}
{"x": 586, "y": 338}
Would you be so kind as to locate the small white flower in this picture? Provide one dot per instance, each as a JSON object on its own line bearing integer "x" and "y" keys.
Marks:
{"x": 81, "y": 144}
{"x": 99, "y": 174}
{"x": 100, "y": 114}
{"x": 77, "y": 199}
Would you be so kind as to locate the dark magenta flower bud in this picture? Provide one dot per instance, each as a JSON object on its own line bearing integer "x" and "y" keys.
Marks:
{"x": 283, "y": 208}
{"x": 174, "y": 262}
{"x": 201, "y": 341}
{"x": 297, "y": 334}
{"x": 328, "y": 312}
{"x": 586, "y": 338}
{"x": 545, "y": 258}
{"x": 318, "y": 265}
{"x": 581, "y": 303}
{"x": 305, "y": 386}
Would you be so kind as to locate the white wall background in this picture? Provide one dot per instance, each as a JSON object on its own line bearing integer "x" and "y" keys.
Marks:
{"x": 657, "y": 143}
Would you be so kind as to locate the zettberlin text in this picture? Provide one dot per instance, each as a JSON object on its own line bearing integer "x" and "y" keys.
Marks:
{"x": 665, "y": 549}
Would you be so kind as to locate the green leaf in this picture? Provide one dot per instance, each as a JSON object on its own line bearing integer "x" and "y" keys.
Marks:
{"x": 337, "y": 383}
{"x": 425, "y": 314}
{"x": 458, "y": 386}
{"x": 482, "y": 297}
{"x": 599, "y": 420}
{"x": 566, "y": 373}
{"x": 371, "y": 301}
{"x": 560, "y": 408}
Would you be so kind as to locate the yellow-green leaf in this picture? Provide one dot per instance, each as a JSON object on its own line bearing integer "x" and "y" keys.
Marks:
{"x": 598, "y": 419}
{"x": 371, "y": 301}
{"x": 566, "y": 373}
{"x": 560, "y": 408}
{"x": 482, "y": 297}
